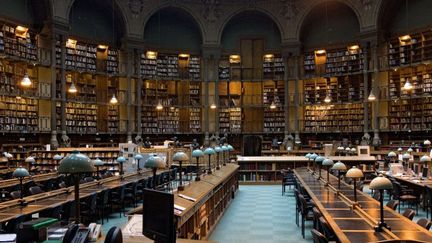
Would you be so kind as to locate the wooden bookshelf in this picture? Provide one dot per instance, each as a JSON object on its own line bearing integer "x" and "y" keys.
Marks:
{"x": 18, "y": 45}
{"x": 80, "y": 117}
{"x": 334, "y": 118}
{"x": 44, "y": 159}
{"x": 410, "y": 110}
{"x": 333, "y": 62}
{"x": 274, "y": 119}
{"x": 273, "y": 68}
{"x": 409, "y": 49}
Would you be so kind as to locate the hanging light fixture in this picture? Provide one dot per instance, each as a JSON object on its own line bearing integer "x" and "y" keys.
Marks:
{"x": 72, "y": 88}
{"x": 159, "y": 106}
{"x": 408, "y": 86}
{"x": 113, "y": 100}
{"x": 327, "y": 99}
{"x": 213, "y": 106}
{"x": 26, "y": 82}
{"x": 371, "y": 96}
{"x": 272, "y": 105}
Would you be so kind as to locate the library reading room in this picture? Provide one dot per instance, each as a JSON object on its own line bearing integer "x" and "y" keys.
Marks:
{"x": 216, "y": 121}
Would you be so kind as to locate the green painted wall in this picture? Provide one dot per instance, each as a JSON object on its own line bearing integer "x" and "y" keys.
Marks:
{"x": 250, "y": 24}
{"x": 16, "y": 10}
{"x": 90, "y": 20}
{"x": 417, "y": 14}
{"x": 173, "y": 29}
{"x": 341, "y": 22}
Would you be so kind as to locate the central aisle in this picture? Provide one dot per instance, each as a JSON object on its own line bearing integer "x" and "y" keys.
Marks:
{"x": 259, "y": 214}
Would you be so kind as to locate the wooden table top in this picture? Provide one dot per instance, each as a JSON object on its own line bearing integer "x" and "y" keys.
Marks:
{"x": 36, "y": 178}
{"x": 302, "y": 158}
{"x": 200, "y": 191}
{"x": 47, "y": 200}
{"x": 357, "y": 224}
{"x": 416, "y": 180}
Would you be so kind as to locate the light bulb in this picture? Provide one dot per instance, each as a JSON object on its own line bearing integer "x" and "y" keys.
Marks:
{"x": 72, "y": 88}
{"x": 213, "y": 106}
{"x": 371, "y": 97}
{"x": 113, "y": 100}
{"x": 159, "y": 106}
{"x": 272, "y": 106}
{"x": 407, "y": 86}
{"x": 26, "y": 81}
{"x": 327, "y": 99}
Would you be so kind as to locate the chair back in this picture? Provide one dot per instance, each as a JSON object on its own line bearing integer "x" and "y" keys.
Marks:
{"x": 318, "y": 237}
{"x": 35, "y": 190}
{"x": 409, "y": 213}
{"x": 326, "y": 229}
{"x": 15, "y": 194}
{"x": 303, "y": 205}
{"x": 13, "y": 224}
{"x": 114, "y": 235}
{"x": 70, "y": 233}
{"x": 376, "y": 195}
{"x": 425, "y": 223}
{"x": 393, "y": 204}
{"x": 316, "y": 215}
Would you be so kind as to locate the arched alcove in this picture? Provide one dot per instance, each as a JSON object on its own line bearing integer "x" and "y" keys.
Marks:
{"x": 329, "y": 23}
{"x": 401, "y": 16}
{"x": 28, "y": 12}
{"x": 173, "y": 29}
{"x": 97, "y": 20}
{"x": 250, "y": 24}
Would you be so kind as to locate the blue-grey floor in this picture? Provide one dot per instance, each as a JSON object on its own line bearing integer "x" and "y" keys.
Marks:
{"x": 259, "y": 214}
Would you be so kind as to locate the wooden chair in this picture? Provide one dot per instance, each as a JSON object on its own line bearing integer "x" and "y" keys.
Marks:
{"x": 318, "y": 237}
{"x": 393, "y": 204}
{"x": 326, "y": 229}
{"x": 409, "y": 213}
{"x": 305, "y": 212}
{"x": 425, "y": 223}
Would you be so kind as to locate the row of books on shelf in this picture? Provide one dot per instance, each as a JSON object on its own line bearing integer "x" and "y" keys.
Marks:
{"x": 18, "y": 44}
{"x": 348, "y": 128}
{"x": 257, "y": 177}
{"x": 33, "y": 127}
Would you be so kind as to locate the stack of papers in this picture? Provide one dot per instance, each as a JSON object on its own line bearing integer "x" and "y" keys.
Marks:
{"x": 8, "y": 238}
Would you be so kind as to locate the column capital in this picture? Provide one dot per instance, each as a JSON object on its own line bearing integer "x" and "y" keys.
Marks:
{"x": 130, "y": 44}
{"x": 59, "y": 27}
{"x": 290, "y": 49}
{"x": 210, "y": 51}
{"x": 368, "y": 38}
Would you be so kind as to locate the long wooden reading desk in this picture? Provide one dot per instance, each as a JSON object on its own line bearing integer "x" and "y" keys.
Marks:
{"x": 36, "y": 178}
{"x": 37, "y": 203}
{"x": 203, "y": 201}
{"x": 354, "y": 224}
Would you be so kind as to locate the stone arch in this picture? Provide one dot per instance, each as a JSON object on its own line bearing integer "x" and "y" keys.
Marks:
{"x": 313, "y": 4}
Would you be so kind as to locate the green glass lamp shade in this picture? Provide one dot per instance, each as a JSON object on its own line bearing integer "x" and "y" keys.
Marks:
{"x": 30, "y": 160}
{"x": 339, "y": 166}
{"x": 313, "y": 156}
{"x": 197, "y": 153}
{"x": 154, "y": 162}
{"x": 391, "y": 154}
{"x": 218, "y": 149}
{"x": 180, "y": 156}
{"x": 427, "y": 142}
{"x": 121, "y": 159}
{"x": 425, "y": 159}
{"x": 20, "y": 172}
{"x": 406, "y": 156}
{"x": 224, "y": 148}
{"x": 410, "y": 150}
{"x": 138, "y": 157}
{"x": 399, "y": 149}
{"x": 230, "y": 148}
{"x": 76, "y": 162}
{"x": 380, "y": 183}
{"x": 209, "y": 151}
{"x": 308, "y": 155}
{"x": 57, "y": 157}
{"x": 354, "y": 172}
{"x": 98, "y": 162}
{"x": 319, "y": 159}
{"x": 328, "y": 162}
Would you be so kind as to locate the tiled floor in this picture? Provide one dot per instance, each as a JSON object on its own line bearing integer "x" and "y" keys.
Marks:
{"x": 259, "y": 214}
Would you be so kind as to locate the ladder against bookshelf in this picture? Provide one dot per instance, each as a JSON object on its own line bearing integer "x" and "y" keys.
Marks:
{"x": 334, "y": 118}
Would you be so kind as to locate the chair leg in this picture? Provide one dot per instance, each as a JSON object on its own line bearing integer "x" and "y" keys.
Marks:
{"x": 303, "y": 227}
